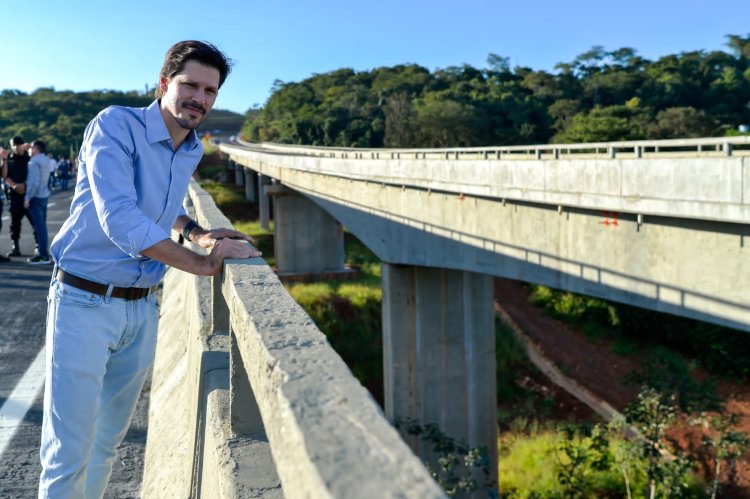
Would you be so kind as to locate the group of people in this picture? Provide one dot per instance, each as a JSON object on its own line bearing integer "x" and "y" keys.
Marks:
{"x": 25, "y": 173}
{"x": 60, "y": 171}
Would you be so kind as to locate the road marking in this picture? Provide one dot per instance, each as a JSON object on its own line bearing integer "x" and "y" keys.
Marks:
{"x": 20, "y": 401}
{"x": 51, "y": 204}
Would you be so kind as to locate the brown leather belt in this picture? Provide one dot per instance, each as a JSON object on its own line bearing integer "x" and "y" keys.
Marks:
{"x": 101, "y": 289}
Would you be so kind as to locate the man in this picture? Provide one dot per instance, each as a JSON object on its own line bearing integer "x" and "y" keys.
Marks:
{"x": 134, "y": 168}
{"x": 35, "y": 200}
{"x": 63, "y": 167}
{"x": 15, "y": 171}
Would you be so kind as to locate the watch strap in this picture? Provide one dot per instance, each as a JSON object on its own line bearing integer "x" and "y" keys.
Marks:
{"x": 188, "y": 228}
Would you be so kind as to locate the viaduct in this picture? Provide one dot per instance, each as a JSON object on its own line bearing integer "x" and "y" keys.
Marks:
{"x": 248, "y": 399}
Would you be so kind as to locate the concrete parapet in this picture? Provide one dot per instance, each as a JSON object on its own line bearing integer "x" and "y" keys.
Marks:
{"x": 326, "y": 437}
{"x": 678, "y": 264}
{"x": 168, "y": 470}
{"x": 696, "y": 187}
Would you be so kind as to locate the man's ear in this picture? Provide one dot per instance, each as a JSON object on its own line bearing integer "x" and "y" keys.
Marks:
{"x": 163, "y": 82}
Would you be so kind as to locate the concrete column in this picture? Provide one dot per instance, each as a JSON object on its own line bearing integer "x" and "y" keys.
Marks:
{"x": 439, "y": 353}
{"x": 251, "y": 191}
{"x": 239, "y": 175}
{"x": 264, "y": 208}
{"x": 306, "y": 238}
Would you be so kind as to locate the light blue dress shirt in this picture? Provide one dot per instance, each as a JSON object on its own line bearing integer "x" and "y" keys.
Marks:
{"x": 36, "y": 181}
{"x": 129, "y": 192}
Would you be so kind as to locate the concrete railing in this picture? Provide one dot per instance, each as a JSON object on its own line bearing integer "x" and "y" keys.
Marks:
{"x": 249, "y": 399}
{"x": 699, "y": 186}
{"x": 699, "y": 147}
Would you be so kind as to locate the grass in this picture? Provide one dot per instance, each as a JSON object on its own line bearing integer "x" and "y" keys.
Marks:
{"x": 530, "y": 460}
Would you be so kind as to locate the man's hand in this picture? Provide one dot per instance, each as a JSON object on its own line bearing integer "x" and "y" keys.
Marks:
{"x": 208, "y": 238}
{"x": 175, "y": 255}
{"x": 230, "y": 248}
{"x": 26, "y": 204}
{"x": 3, "y": 153}
{"x": 20, "y": 188}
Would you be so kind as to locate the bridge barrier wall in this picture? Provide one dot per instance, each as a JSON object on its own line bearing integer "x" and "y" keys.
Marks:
{"x": 661, "y": 232}
{"x": 249, "y": 399}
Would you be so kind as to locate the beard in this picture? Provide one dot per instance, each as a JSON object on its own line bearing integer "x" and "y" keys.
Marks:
{"x": 189, "y": 123}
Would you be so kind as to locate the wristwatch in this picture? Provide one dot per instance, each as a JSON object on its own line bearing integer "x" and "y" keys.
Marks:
{"x": 188, "y": 228}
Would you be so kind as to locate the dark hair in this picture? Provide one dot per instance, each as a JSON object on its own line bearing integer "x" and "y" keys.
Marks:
{"x": 17, "y": 140}
{"x": 39, "y": 145}
{"x": 192, "y": 50}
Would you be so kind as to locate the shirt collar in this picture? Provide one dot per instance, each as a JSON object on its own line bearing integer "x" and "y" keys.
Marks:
{"x": 156, "y": 129}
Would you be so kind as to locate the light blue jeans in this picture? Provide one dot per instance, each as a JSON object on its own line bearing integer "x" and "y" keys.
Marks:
{"x": 99, "y": 352}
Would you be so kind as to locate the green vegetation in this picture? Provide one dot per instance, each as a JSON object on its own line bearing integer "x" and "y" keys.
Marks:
{"x": 60, "y": 117}
{"x": 582, "y": 461}
{"x": 458, "y": 464}
{"x": 349, "y": 315}
{"x": 720, "y": 350}
{"x": 599, "y": 96}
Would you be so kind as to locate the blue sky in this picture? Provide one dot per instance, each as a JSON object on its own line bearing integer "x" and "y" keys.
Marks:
{"x": 86, "y": 44}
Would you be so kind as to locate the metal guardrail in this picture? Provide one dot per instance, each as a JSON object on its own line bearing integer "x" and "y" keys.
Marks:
{"x": 699, "y": 147}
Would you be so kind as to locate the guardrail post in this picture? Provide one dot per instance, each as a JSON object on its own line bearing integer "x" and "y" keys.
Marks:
{"x": 638, "y": 150}
{"x": 557, "y": 153}
{"x": 728, "y": 149}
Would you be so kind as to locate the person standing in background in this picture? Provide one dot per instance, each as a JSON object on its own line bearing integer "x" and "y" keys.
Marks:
{"x": 64, "y": 173}
{"x": 3, "y": 159}
{"x": 35, "y": 200}
{"x": 15, "y": 171}
{"x": 52, "y": 171}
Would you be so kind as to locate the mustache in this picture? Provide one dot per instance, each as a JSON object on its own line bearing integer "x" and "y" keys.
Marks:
{"x": 195, "y": 105}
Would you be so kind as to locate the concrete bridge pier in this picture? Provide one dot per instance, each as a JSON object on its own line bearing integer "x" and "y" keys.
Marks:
{"x": 439, "y": 355}
{"x": 251, "y": 188}
{"x": 239, "y": 175}
{"x": 264, "y": 203}
{"x": 306, "y": 238}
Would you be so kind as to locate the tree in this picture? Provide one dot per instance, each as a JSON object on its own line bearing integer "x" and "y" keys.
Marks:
{"x": 399, "y": 121}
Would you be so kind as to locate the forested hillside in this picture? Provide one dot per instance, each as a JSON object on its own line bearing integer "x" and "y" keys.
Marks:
{"x": 599, "y": 96}
{"x": 59, "y": 117}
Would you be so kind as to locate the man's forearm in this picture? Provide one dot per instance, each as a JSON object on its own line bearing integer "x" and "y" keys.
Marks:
{"x": 179, "y": 257}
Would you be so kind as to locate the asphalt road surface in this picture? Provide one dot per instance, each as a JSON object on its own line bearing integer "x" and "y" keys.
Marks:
{"x": 23, "y": 305}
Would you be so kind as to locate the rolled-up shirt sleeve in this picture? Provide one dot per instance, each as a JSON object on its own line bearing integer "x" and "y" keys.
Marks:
{"x": 110, "y": 151}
